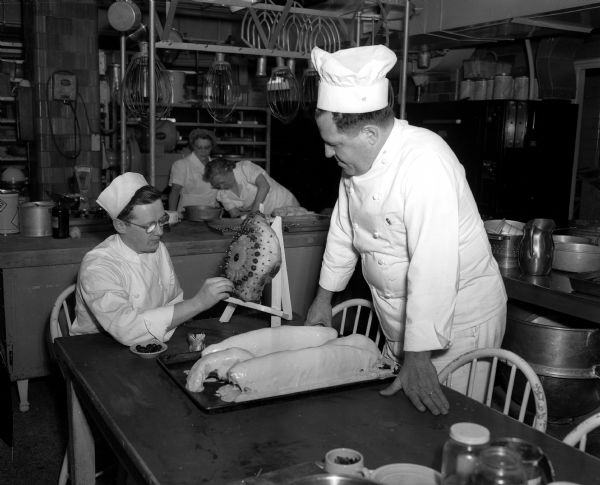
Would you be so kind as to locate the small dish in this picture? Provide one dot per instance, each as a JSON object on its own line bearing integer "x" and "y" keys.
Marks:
{"x": 404, "y": 473}
{"x": 344, "y": 461}
{"x": 149, "y": 350}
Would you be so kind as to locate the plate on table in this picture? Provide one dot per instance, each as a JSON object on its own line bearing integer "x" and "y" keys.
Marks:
{"x": 405, "y": 473}
{"x": 150, "y": 349}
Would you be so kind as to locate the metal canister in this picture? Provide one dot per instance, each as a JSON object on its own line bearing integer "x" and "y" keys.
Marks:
{"x": 479, "y": 90}
{"x": 503, "y": 87}
{"x": 521, "y": 88}
{"x": 35, "y": 218}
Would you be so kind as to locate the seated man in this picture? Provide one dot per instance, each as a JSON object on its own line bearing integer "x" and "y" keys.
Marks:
{"x": 126, "y": 285}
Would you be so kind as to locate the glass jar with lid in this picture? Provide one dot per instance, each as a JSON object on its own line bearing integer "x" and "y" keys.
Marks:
{"x": 461, "y": 451}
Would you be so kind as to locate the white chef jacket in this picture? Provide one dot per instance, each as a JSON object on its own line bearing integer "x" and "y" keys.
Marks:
{"x": 189, "y": 172}
{"x": 127, "y": 294}
{"x": 413, "y": 222}
{"x": 246, "y": 173}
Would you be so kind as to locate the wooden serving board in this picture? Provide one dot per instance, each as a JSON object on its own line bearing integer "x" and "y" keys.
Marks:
{"x": 177, "y": 365}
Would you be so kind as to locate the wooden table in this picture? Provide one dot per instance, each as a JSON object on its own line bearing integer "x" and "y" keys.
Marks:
{"x": 160, "y": 436}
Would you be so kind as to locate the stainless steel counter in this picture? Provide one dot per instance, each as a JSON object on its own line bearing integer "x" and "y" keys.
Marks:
{"x": 553, "y": 292}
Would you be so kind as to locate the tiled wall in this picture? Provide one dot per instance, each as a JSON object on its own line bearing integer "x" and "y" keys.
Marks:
{"x": 61, "y": 35}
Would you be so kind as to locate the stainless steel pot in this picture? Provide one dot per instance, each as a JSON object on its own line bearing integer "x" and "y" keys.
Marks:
{"x": 35, "y": 218}
{"x": 563, "y": 351}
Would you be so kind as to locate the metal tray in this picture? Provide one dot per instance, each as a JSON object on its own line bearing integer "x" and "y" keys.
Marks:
{"x": 226, "y": 226}
{"x": 588, "y": 283}
{"x": 176, "y": 364}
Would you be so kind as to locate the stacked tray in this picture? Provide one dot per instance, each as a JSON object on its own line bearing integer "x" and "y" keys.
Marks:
{"x": 588, "y": 283}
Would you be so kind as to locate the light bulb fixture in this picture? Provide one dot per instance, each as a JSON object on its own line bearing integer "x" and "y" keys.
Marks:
{"x": 220, "y": 93}
{"x": 135, "y": 92}
{"x": 310, "y": 87}
{"x": 283, "y": 92}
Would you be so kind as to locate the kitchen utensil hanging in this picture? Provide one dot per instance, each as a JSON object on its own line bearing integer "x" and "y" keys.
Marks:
{"x": 220, "y": 91}
{"x": 299, "y": 32}
{"x": 283, "y": 92}
{"x": 310, "y": 88}
{"x": 135, "y": 93}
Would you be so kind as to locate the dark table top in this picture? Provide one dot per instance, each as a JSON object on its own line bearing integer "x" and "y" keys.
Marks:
{"x": 161, "y": 436}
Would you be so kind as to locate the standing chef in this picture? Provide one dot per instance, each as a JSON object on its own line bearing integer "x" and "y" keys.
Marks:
{"x": 188, "y": 186}
{"x": 127, "y": 285}
{"x": 405, "y": 210}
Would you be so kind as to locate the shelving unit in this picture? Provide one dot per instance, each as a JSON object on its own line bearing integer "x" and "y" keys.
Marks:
{"x": 9, "y": 136}
{"x": 247, "y": 135}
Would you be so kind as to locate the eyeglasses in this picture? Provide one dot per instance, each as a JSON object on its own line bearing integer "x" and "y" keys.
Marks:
{"x": 149, "y": 228}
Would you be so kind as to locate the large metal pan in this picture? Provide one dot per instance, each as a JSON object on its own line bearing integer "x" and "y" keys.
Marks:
{"x": 563, "y": 352}
{"x": 576, "y": 257}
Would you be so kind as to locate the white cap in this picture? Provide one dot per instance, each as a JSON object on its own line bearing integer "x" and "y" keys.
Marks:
{"x": 353, "y": 80}
{"x": 114, "y": 198}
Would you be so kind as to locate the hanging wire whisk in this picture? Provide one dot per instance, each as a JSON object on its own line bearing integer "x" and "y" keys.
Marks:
{"x": 310, "y": 87}
{"x": 135, "y": 91}
{"x": 283, "y": 92}
{"x": 220, "y": 93}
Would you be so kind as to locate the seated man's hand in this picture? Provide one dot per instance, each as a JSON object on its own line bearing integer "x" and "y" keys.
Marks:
{"x": 213, "y": 291}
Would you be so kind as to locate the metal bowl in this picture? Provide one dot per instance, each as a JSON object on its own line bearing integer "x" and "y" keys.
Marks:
{"x": 565, "y": 238}
{"x": 202, "y": 212}
{"x": 576, "y": 257}
{"x": 332, "y": 480}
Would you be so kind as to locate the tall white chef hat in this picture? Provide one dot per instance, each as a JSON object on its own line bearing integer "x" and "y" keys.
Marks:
{"x": 114, "y": 198}
{"x": 353, "y": 80}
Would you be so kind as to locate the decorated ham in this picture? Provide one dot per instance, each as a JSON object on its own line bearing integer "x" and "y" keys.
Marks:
{"x": 253, "y": 258}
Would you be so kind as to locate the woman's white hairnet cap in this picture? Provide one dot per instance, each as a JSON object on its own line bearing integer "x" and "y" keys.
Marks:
{"x": 353, "y": 80}
{"x": 114, "y": 198}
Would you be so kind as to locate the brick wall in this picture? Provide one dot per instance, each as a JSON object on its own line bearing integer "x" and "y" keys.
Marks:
{"x": 61, "y": 35}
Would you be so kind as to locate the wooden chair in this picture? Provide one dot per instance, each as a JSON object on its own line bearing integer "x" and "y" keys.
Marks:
{"x": 362, "y": 310}
{"x": 490, "y": 356}
{"x": 61, "y": 319}
{"x": 579, "y": 434}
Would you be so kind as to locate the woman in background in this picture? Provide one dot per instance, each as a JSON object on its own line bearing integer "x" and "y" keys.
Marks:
{"x": 188, "y": 186}
{"x": 244, "y": 186}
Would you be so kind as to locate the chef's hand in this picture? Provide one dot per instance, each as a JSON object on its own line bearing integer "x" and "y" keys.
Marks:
{"x": 420, "y": 382}
{"x": 319, "y": 312}
{"x": 213, "y": 291}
